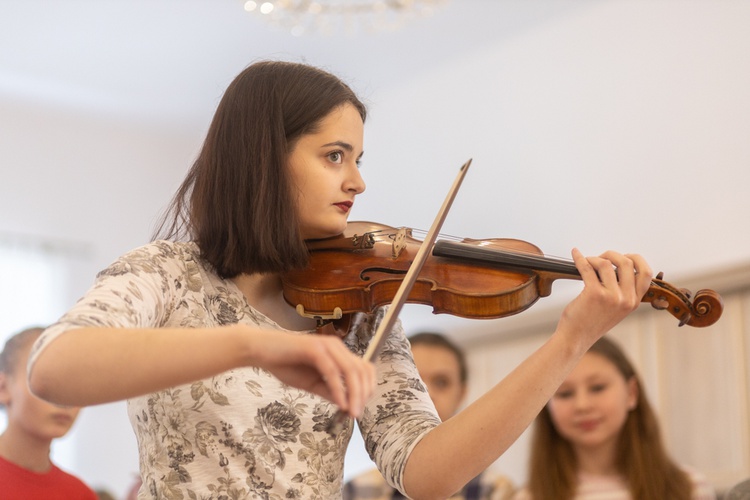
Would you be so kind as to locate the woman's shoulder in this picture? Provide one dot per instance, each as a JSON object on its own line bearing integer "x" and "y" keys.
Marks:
{"x": 153, "y": 257}
{"x": 166, "y": 249}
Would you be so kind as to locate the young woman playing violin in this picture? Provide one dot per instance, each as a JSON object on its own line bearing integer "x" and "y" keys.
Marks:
{"x": 228, "y": 392}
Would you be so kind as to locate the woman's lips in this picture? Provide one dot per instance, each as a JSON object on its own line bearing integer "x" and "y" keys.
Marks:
{"x": 345, "y": 206}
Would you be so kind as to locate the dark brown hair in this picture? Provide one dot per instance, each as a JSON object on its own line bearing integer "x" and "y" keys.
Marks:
{"x": 438, "y": 340}
{"x": 237, "y": 201}
{"x": 641, "y": 456}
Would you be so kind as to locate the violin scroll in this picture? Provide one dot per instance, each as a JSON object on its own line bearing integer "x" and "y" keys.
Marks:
{"x": 703, "y": 310}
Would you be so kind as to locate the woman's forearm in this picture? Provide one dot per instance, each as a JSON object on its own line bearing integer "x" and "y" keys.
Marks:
{"x": 91, "y": 366}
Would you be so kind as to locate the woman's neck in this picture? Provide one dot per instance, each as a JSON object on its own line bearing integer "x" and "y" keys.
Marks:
{"x": 23, "y": 450}
{"x": 265, "y": 294}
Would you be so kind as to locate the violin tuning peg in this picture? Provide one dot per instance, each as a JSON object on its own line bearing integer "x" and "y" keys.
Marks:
{"x": 660, "y": 275}
{"x": 684, "y": 319}
{"x": 661, "y": 303}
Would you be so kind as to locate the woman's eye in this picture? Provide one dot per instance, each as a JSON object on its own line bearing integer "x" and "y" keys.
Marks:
{"x": 335, "y": 156}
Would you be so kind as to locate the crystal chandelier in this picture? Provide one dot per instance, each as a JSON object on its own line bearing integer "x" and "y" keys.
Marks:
{"x": 329, "y": 17}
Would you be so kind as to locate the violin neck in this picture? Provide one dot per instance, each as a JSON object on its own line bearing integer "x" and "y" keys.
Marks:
{"x": 505, "y": 258}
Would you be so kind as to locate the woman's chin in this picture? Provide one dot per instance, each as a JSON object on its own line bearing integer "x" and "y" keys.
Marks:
{"x": 321, "y": 233}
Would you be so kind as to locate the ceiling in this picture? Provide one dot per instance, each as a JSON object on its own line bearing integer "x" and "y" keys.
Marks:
{"x": 170, "y": 60}
{"x": 611, "y": 124}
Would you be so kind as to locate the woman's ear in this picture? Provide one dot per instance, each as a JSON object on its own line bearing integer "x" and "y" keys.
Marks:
{"x": 633, "y": 392}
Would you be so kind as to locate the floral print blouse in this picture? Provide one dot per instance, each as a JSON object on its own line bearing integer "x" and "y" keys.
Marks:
{"x": 243, "y": 434}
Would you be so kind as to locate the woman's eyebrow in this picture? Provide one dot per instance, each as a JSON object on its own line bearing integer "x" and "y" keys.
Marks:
{"x": 340, "y": 144}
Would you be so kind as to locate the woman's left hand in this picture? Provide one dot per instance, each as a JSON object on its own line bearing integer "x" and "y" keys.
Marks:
{"x": 614, "y": 285}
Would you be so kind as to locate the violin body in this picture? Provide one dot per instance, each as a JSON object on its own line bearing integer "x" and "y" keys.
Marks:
{"x": 363, "y": 268}
{"x": 361, "y": 279}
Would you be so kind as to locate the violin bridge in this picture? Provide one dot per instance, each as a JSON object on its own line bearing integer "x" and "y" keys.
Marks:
{"x": 399, "y": 242}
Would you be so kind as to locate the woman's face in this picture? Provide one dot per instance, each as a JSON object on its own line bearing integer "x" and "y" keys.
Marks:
{"x": 592, "y": 404}
{"x": 325, "y": 170}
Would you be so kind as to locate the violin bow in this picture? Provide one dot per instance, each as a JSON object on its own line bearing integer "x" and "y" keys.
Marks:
{"x": 336, "y": 423}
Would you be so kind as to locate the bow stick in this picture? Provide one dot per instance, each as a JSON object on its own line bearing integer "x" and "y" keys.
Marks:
{"x": 385, "y": 326}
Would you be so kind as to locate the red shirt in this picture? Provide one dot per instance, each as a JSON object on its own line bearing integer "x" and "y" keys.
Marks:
{"x": 17, "y": 483}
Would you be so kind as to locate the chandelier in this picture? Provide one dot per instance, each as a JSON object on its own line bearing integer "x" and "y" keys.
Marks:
{"x": 329, "y": 17}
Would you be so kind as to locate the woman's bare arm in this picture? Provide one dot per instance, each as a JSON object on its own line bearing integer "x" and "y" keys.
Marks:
{"x": 89, "y": 366}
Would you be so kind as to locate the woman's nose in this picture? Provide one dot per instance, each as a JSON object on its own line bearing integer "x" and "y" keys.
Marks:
{"x": 354, "y": 182}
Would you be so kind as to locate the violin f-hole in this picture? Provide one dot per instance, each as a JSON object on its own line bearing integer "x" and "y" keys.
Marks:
{"x": 395, "y": 272}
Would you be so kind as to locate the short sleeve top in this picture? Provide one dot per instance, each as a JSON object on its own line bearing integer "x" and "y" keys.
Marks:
{"x": 243, "y": 433}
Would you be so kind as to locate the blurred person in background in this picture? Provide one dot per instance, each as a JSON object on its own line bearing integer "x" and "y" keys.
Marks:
{"x": 598, "y": 438}
{"x": 26, "y": 471}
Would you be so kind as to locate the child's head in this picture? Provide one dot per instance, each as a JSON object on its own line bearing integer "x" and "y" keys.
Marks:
{"x": 442, "y": 367}
{"x": 27, "y": 413}
{"x": 591, "y": 406}
{"x": 16, "y": 350}
{"x": 613, "y": 412}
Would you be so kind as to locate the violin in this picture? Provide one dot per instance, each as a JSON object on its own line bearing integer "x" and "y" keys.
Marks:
{"x": 363, "y": 268}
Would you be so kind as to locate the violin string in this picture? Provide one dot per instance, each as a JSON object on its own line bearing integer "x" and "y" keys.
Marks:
{"x": 390, "y": 235}
{"x": 496, "y": 245}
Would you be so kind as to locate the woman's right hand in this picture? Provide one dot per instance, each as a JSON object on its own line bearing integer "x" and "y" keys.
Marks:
{"x": 320, "y": 364}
